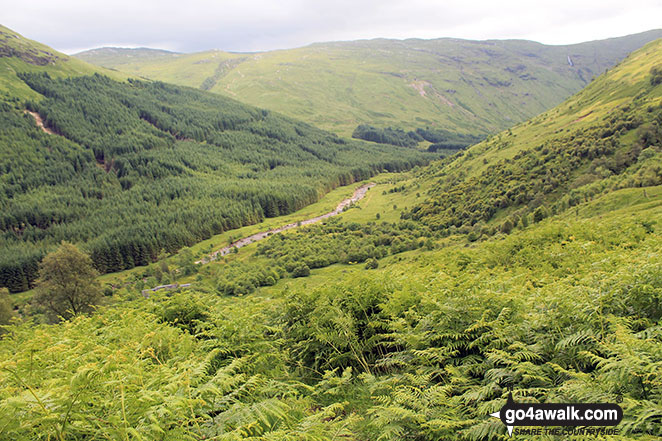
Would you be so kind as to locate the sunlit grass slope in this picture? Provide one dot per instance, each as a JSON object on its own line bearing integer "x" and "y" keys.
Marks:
{"x": 19, "y": 54}
{"x": 466, "y": 86}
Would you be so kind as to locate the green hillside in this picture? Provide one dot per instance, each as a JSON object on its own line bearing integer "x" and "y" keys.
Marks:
{"x": 131, "y": 170}
{"x": 19, "y": 54}
{"x": 470, "y": 87}
{"x": 411, "y": 316}
{"x": 604, "y": 138}
{"x": 114, "y": 57}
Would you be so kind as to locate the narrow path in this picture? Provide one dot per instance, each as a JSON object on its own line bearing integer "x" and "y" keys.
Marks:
{"x": 358, "y": 195}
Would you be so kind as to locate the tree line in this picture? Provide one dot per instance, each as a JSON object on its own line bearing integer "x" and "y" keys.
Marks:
{"x": 294, "y": 254}
{"x": 440, "y": 139}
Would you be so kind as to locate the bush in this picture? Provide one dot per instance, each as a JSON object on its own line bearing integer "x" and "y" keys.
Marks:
{"x": 301, "y": 271}
{"x": 507, "y": 227}
{"x": 372, "y": 264}
{"x": 539, "y": 214}
{"x": 184, "y": 312}
{"x": 6, "y": 312}
{"x": 656, "y": 75}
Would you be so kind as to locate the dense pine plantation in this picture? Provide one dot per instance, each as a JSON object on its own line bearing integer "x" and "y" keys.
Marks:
{"x": 138, "y": 168}
{"x": 439, "y": 139}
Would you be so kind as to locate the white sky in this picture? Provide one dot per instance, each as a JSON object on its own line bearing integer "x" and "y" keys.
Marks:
{"x": 252, "y": 25}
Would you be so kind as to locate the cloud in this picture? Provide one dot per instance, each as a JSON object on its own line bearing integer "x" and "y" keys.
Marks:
{"x": 253, "y": 25}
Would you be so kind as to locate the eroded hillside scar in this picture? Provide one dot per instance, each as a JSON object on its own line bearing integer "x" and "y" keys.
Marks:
{"x": 40, "y": 122}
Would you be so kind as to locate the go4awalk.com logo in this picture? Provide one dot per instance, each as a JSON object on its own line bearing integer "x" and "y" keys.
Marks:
{"x": 594, "y": 418}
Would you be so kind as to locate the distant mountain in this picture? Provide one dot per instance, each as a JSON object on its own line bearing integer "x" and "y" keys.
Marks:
{"x": 471, "y": 87}
{"x": 117, "y": 56}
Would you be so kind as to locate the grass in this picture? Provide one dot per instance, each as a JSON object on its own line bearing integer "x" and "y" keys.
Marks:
{"x": 616, "y": 208}
{"x": 630, "y": 201}
{"x": 620, "y": 209}
{"x": 326, "y": 204}
{"x": 388, "y": 205}
{"x": 377, "y": 200}
{"x": 564, "y": 309}
{"x": 57, "y": 64}
{"x": 616, "y": 88}
{"x": 466, "y": 86}
{"x": 646, "y": 203}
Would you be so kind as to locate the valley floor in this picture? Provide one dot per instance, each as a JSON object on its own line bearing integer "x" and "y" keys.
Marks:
{"x": 358, "y": 194}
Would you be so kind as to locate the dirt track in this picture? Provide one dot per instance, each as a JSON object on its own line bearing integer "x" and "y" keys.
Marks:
{"x": 358, "y": 195}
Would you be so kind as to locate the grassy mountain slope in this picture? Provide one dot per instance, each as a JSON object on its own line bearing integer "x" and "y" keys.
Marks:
{"x": 119, "y": 56}
{"x": 606, "y": 137}
{"x": 562, "y": 307}
{"x": 19, "y": 54}
{"x": 475, "y": 87}
{"x": 131, "y": 169}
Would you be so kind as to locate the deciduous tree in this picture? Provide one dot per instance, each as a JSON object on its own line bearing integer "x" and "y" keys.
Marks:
{"x": 6, "y": 312}
{"x": 67, "y": 283}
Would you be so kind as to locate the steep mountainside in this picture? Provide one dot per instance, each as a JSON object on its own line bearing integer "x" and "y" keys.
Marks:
{"x": 129, "y": 169}
{"x": 18, "y": 54}
{"x": 471, "y": 87}
{"x": 608, "y": 136}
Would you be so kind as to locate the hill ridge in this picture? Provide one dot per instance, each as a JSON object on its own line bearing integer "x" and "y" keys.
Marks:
{"x": 20, "y": 54}
{"x": 337, "y": 86}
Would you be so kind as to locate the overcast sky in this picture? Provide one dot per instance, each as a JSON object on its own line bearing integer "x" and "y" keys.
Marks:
{"x": 252, "y": 25}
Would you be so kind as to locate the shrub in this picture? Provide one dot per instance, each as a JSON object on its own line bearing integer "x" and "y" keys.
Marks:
{"x": 183, "y": 312}
{"x": 372, "y": 264}
{"x": 301, "y": 271}
{"x": 539, "y": 214}
{"x": 656, "y": 75}
{"x": 6, "y": 312}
